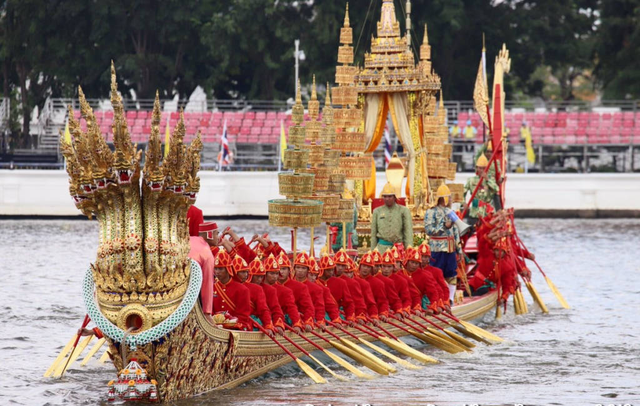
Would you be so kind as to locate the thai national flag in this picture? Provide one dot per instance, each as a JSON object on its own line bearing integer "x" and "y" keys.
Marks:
{"x": 387, "y": 146}
{"x": 224, "y": 156}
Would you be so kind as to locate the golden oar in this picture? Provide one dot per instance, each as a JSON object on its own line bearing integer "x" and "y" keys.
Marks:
{"x": 95, "y": 349}
{"x": 72, "y": 358}
{"x": 104, "y": 357}
{"x": 523, "y": 302}
{"x": 60, "y": 357}
{"x": 393, "y": 344}
{"x": 536, "y": 296}
{"x": 306, "y": 368}
{"x": 460, "y": 341}
{"x": 308, "y": 354}
{"x": 473, "y": 328}
{"x": 453, "y": 347}
{"x": 459, "y": 328}
{"x": 336, "y": 358}
{"x": 372, "y": 362}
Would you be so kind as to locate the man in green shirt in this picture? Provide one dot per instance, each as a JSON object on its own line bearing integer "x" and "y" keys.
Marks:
{"x": 486, "y": 192}
{"x": 391, "y": 223}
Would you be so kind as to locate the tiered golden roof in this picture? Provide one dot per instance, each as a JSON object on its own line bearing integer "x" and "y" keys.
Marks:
{"x": 390, "y": 66}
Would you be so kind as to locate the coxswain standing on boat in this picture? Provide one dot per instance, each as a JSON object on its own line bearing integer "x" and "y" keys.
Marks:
{"x": 423, "y": 281}
{"x": 486, "y": 193}
{"x": 391, "y": 223}
{"x": 260, "y": 312}
{"x": 301, "y": 268}
{"x": 436, "y": 273}
{"x": 230, "y": 295}
{"x": 444, "y": 238}
{"x": 341, "y": 260}
{"x": 378, "y": 290}
{"x": 257, "y": 275}
{"x": 284, "y": 295}
{"x": 395, "y": 304}
{"x": 199, "y": 251}
{"x": 332, "y": 311}
{"x": 338, "y": 289}
{"x": 300, "y": 293}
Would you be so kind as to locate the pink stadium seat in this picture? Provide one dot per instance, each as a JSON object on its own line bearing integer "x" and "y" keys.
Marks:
{"x": 628, "y": 115}
{"x": 266, "y": 130}
{"x": 281, "y": 115}
{"x": 584, "y": 114}
{"x": 217, "y": 115}
{"x": 628, "y": 123}
{"x": 247, "y": 122}
{"x": 572, "y": 115}
{"x": 569, "y": 139}
{"x": 249, "y": 115}
{"x": 245, "y": 130}
{"x": 271, "y": 115}
{"x": 233, "y": 130}
{"x": 131, "y": 115}
{"x": 260, "y": 115}
{"x": 256, "y": 130}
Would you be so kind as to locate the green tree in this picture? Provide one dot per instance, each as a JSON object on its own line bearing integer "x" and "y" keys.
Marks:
{"x": 618, "y": 67}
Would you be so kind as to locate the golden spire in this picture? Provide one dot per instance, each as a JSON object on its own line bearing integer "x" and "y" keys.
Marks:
{"x": 297, "y": 111}
{"x": 425, "y": 38}
{"x": 153, "y": 154}
{"x": 298, "y": 93}
{"x": 346, "y": 16}
{"x": 327, "y": 99}
{"x": 314, "y": 104}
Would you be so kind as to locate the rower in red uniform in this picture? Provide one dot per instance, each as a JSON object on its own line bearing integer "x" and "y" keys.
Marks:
{"x": 300, "y": 292}
{"x": 301, "y": 268}
{"x": 259, "y": 309}
{"x": 286, "y": 300}
{"x": 423, "y": 280}
{"x": 257, "y": 275}
{"x": 402, "y": 277}
{"x": 378, "y": 288}
{"x": 436, "y": 274}
{"x": 341, "y": 260}
{"x": 395, "y": 304}
{"x": 337, "y": 287}
{"x": 401, "y": 285}
{"x": 230, "y": 296}
{"x": 332, "y": 311}
{"x": 365, "y": 287}
{"x": 209, "y": 231}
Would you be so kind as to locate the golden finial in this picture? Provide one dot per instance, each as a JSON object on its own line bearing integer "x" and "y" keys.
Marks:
{"x": 314, "y": 94}
{"x": 441, "y": 101}
{"x": 346, "y": 16}
{"x": 483, "y": 44}
{"x": 156, "y": 115}
{"x": 298, "y": 94}
{"x": 327, "y": 99}
{"x": 85, "y": 108}
{"x": 425, "y": 39}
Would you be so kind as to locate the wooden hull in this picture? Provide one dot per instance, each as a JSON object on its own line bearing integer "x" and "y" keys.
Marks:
{"x": 197, "y": 357}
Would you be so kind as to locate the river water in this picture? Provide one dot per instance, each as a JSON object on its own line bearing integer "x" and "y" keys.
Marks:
{"x": 587, "y": 355}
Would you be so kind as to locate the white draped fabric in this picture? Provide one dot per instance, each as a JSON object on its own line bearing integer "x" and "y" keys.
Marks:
{"x": 399, "y": 107}
{"x": 371, "y": 106}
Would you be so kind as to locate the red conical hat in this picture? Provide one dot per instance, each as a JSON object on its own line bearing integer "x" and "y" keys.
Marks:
{"x": 256, "y": 267}
{"x": 395, "y": 254}
{"x": 239, "y": 264}
{"x": 302, "y": 259}
{"x": 377, "y": 258}
{"x": 283, "y": 260}
{"x": 271, "y": 264}
{"x": 314, "y": 267}
{"x": 223, "y": 260}
{"x": 367, "y": 259}
{"x": 326, "y": 262}
{"x": 341, "y": 257}
{"x": 424, "y": 249}
{"x": 387, "y": 258}
{"x": 412, "y": 254}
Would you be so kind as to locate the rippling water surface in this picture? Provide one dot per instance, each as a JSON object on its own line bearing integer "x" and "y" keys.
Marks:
{"x": 584, "y": 356}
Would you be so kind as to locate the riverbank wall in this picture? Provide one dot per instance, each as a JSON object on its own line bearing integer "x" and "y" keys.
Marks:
{"x": 45, "y": 193}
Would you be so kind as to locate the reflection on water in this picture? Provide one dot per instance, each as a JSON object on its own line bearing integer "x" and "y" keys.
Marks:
{"x": 586, "y": 355}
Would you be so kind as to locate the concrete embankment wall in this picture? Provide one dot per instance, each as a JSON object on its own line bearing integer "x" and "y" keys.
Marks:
{"x": 45, "y": 193}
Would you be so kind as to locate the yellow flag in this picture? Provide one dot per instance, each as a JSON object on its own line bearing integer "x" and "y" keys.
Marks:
{"x": 283, "y": 141}
{"x": 528, "y": 143}
{"x": 167, "y": 139}
{"x": 67, "y": 133}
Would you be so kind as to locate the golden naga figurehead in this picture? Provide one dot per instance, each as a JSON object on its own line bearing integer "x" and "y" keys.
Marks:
{"x": 142, "y": 265}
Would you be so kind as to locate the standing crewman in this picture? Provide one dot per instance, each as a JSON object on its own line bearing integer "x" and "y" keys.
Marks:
{"x": 485, "y": 193}
{"x": 391, "y": 223}
{"x": 444, "y": 238}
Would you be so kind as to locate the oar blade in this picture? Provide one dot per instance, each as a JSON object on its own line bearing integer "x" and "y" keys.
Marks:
{"x": 481, "y": 332}
{"x": 104, "y": 357}
{"x": 534, "y": 293}
{"x": 556, "y": 292}
{"x": 344, "y": 364}
{"x": 316, "y": 377}
{"x": 362, "y": 359}
{"x": 387, "y": 354}
{"x": 445, "y": 338}
{"x": 326, "y": 368}
{"x": 408, "y": 351}
{"x": 369, "y": 355}
{"x": 62, "y": 367}
{"x": 459, "y": 339}
{"x": 60, "y": 357}
{"x": 91, "y": 353}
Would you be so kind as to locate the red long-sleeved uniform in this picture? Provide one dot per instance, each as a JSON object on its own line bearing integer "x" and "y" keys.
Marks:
{"x": 355, "y": 291}
{"x": 317, "y": 298}
{"x": 367, "y": 296}
{"x": 271, "y": 295}
{"x": 391, "y": 291}
{"x": 378, "y": 290}
{"x": 234, "y": 298}
{"x": 259, "y": 306}
{"x": 340, "y": 292}
{"x": 302, "y": 300}
{"x": 287, "y": 303}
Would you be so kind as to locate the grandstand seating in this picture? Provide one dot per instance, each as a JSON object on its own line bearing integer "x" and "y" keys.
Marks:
{"x": 567, "y": 128}
{"x": 264, "y": 127}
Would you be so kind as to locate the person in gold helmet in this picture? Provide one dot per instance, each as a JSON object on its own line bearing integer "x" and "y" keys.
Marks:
{"x": 486, "y": 193}
{"x": 391, "y": 223}
{"x": 444, "y": 237}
